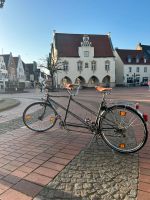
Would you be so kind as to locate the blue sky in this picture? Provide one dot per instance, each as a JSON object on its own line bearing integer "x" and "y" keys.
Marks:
{"x": 26, "y": 26}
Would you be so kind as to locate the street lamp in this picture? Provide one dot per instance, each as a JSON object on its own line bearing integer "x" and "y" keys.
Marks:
{"x": 2, "y": 3}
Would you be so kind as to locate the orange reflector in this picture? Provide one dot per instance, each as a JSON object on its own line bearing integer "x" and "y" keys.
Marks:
{"x": 122, "y": 145}
{"x": 52, "y": 119}
{"x": 122, "y": 113}
{"x": 28, "y": 117}
{"x": 145, "y": 116}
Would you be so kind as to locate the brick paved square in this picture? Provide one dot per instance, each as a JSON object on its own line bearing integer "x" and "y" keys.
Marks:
{"x": 30, "y": 160}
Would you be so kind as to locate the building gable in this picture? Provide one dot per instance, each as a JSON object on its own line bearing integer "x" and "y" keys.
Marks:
{"x": 11, "y": 67}
{"x": 20, "y": 68}
{"x": 6, "y": 59}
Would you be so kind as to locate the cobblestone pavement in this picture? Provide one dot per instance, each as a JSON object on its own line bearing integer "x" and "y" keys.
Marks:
{"x": 94, "y": 173}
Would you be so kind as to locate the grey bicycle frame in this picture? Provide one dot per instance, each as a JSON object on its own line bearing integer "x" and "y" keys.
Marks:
{"x": 102, "y": 106}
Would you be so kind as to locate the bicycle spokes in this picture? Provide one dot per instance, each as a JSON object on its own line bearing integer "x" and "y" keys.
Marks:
{"x": 123, "y": 129}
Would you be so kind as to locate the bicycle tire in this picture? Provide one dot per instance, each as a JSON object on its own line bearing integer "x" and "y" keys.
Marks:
{"x": 123, "y": 129}
{"x": 39, "y": 116}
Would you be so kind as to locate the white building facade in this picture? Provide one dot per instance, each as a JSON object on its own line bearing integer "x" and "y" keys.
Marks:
{"x": 132, "y": 67}
{"x": 3, "y": 74}
{"x": 87, "y": 59}
{"x": 20, "y": 69}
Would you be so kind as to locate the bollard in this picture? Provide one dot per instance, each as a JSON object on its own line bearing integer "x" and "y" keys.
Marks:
{"x": 137, "y": 106}
{"x": 145, "y": 116}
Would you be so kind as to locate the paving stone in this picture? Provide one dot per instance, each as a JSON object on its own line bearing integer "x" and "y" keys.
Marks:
{"x": 113, "y": 178}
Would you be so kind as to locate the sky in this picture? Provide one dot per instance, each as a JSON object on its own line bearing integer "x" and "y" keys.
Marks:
{"x": 26, "y": 26}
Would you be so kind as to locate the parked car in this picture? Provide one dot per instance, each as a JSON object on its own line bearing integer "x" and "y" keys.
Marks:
{"x": 145, "y": 83}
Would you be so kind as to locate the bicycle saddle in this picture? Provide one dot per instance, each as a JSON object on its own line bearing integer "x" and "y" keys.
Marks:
{"x": 71, "y": 86}
{"x": 102, "y": 89}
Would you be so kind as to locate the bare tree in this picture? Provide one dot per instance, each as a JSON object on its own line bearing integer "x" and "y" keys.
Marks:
{"x": 53, "y": 66}
{"x": 2, "y": 3}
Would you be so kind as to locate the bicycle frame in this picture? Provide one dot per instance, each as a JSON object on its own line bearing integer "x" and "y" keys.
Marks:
{"x": 84, "y": 124}
{"x": 122, "y": 127}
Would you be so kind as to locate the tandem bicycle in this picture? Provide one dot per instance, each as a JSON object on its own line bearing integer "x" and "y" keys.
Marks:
{"x": 122, "y": 127}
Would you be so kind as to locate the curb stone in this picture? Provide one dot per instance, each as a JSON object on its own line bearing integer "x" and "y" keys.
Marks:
{"x": 8, "y": 103}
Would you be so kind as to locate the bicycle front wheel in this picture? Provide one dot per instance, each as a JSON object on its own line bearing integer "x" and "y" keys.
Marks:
{"x": 123, "y": 129}
{"x": 39, "y": 116}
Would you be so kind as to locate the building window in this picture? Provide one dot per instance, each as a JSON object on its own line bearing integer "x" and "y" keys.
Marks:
{"x": 137, "y": 80}
{"x": 93, "y": 65}
{"x": 130, "y": 69}
{"x": 145, "y": 60}
{"x": 86, "y": 65}
{"x": 130, "y": 80}
{"x": 107, "y": 65}
{"x": 86, "y": 42}
{"x": 65, "y": 66}
{"x": 145, "y": 79}
{"x": 129, "y": 59}
{"x": 86, "y": 53}
{"x": 145, "y": 69}
{"x": 137, "y": 69}
{"x": 79, "y": 66}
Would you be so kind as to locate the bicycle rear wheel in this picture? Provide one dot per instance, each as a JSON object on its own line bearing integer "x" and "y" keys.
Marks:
{"x": 123, "y": 129}
{"x": 39, "y": 116}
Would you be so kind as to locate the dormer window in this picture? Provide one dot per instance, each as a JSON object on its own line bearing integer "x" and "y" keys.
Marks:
{"x": 129, "y": 59}
{"x": 145, "y": 60}
{"x": 137, "y": 59}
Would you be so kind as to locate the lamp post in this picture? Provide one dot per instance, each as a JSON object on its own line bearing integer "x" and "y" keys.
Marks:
{"x": 2, "y": 3}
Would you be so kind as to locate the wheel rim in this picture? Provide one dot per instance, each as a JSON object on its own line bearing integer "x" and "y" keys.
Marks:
{"x": 39, "y": 117}
{"x": 123, "y": 129}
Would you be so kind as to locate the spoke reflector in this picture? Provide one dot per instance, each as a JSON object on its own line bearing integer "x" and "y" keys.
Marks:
{"x": 122, "y": 145}
{"x": 52, "y": 119}
{"x": 28, "y": 117}
{"x": 122, "y": 113}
